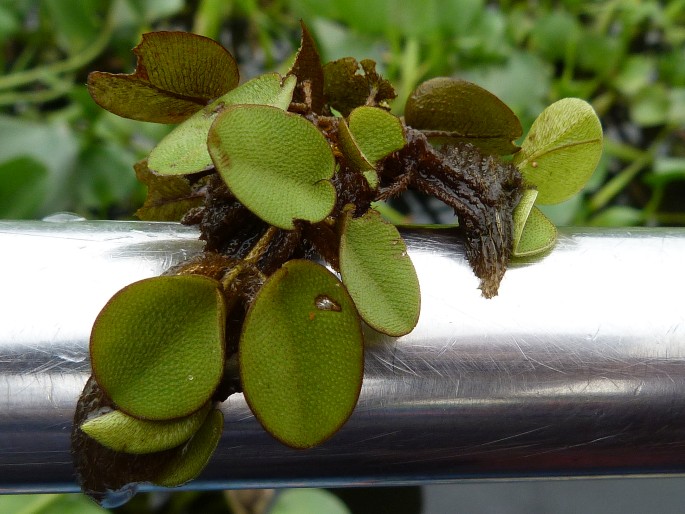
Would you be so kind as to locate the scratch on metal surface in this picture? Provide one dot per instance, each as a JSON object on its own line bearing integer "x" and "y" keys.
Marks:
{"x": 403, "y": 366}
{"x": 531, "y": 360}
{"x": 393, "y": 367}
{"x": 577, "y": 445}
{"x": 379, "y": 436}
{"x": 431, "y": 366}
{"x": 520, "y": 434}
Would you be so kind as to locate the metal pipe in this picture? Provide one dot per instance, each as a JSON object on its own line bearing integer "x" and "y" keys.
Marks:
{"x": 576, "y": 368}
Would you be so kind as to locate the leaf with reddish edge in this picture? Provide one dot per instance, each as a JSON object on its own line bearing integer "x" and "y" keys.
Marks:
{"x": 301, "y": 354}
{"x": 378, "y": 273}
{"x": 307, "y": 68}
{"x": 184, "y": 150}
{"x": 157, "y": 347}
{"x": 177, "y": 73}
{"x": 278, "y": 164}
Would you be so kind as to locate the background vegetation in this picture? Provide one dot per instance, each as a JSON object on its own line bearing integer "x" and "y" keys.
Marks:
{"x": 60, "y": 152}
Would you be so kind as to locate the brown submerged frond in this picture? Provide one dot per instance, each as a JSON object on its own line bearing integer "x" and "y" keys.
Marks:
{"x": 482, "y": 190}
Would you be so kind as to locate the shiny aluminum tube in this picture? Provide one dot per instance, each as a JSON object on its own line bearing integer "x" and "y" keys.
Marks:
{"x": 576, "y": 368}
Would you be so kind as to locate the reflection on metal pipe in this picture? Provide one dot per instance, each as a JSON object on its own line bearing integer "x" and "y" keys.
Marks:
{"x": 576, "y": 368}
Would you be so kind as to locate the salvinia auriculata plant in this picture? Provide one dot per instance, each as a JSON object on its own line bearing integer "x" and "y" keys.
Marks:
{"x": 281, "y": 173}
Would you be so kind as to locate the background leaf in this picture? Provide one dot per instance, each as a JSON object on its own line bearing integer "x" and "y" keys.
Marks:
{"x": 53, "y": 146}
{"x": 276, "y": 163}
{"x": 49, "y": 504}
{"x": 561, "y": 150}
{"x": 24, "y": 184}
{"x": 308, "y": 501}
{"x": 301, "y": 354}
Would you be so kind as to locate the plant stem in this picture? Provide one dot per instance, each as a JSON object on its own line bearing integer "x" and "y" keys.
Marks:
{"x": 251, "y": 259}
{"x": 261, "y": 246}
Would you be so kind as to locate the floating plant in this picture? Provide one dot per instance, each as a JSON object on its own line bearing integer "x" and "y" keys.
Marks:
{"x": 280, "y": 173}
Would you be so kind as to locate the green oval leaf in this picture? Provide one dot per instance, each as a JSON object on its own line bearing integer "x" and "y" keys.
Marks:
{"x": 192, "y": 458}
{"x": 562, "y": 150}
{"x": 539, "y": 235}
{"x": 177, "y": 73}
{"x": 122, "y": 433}
{"x": 368, "y": 136}
{"x": 301, "y": 354}
{"x": 184, "y": 149}
{"x": 452, "y": 110}
{"x": 379, "y": 274}
{"x": 377, "y": 132}
{"x": 276, "y": 163}
{"x": 157, "y": 347}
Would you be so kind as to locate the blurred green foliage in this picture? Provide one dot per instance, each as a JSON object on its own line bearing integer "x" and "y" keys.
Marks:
{"x": 60, "y": 152}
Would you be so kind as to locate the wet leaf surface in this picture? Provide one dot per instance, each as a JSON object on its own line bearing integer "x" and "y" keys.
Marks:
{"x": 177, "y": 73}
{"x": 451, "y": 110}
{"x": 301, "y": 354}
{"x": 379, "y": 274}
{"x": 184, "y": 149}
{"x": 561, "y": 150}
{"x": 277, "y": 164}
{"x": 157, "y": 347}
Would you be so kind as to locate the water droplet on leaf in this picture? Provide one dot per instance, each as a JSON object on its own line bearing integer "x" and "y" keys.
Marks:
{"x": 324, "y": 303}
